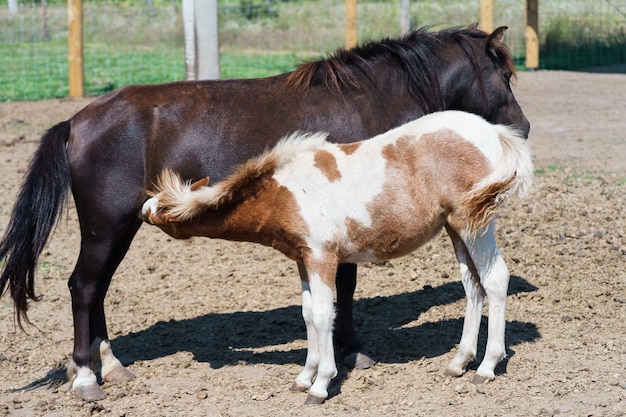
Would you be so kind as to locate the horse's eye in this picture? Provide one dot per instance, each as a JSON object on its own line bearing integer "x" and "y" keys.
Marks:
{"x": 508, "y": 75}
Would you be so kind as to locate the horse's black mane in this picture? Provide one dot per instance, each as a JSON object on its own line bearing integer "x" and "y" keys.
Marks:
{"x": 413, "y": 53}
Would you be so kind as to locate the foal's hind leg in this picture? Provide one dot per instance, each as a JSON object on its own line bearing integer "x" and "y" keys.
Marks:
{"x": 473, "y": 311}
{"x": 485, "y": 260}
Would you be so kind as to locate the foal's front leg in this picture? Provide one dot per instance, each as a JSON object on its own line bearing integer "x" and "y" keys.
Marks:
{"x": 318, "y": 313}
{"x": 305, "y": 379}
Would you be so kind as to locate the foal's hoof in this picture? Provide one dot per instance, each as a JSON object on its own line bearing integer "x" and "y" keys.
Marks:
{"x": 118, "y": 375}
{"x": 89, "y": 393}
{"x": 298, "y": 387}
{"x": 359, "y": 360}
{"x": 481, "y": 379}
{"x": 314, "y": 400}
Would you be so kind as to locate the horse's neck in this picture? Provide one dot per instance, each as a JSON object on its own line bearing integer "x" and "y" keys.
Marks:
{"x": 461, "y": 88}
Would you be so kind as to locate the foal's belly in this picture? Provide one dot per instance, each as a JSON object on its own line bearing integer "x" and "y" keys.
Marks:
{"x": 386, "y": 244}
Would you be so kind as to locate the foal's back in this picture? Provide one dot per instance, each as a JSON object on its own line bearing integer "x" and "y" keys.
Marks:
{"x": 383, "y": 198}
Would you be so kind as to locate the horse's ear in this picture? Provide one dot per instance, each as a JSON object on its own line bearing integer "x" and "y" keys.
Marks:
{"x": 473, "y": 26}
{"x": 495, "y": 39}
{"x": 204, "y": 182}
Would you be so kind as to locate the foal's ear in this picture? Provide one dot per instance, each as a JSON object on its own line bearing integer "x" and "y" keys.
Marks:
{"x": 204, "y": 182}
{"x": 495, "y": 39}
{"x": 473, "y": 26}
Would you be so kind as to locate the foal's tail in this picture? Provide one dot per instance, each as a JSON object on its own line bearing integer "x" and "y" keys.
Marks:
{"x": 513, "y": 175}
{"x": 35, "y": 213}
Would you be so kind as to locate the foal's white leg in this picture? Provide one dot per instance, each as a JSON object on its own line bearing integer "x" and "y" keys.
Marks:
{"x": 494, "y": 278}
{"x": 305, "y": 379}
{"x": 323, "y": 319}
{"x": 473, "y": 309}
{"x": 319, "y": 314}
{"x": 495, "y": 281}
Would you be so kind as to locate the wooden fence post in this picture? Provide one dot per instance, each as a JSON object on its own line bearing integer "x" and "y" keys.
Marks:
{"x": 75, "y": 47}
{"x": 532, "y": 34}
{"x": 486, "y": 15}
{"x": 351, "y": 35}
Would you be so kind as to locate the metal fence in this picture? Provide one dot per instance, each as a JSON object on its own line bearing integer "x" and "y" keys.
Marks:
{"x": 142, "y": 41}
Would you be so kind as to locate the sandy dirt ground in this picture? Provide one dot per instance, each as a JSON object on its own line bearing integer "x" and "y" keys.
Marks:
{"x": 213, "y": 328}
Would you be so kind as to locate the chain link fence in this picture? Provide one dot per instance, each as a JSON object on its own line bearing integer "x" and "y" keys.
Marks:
{"x": 141, "y": 41}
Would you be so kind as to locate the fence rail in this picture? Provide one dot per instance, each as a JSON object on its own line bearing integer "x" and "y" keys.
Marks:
{"x": 141, "y": 41}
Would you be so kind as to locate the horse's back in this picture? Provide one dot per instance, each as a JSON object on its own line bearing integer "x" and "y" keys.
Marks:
{"x": 195, "y": 128}
{"x": 199, "y": 128}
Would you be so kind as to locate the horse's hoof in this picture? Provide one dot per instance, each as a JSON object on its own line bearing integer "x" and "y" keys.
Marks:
{"x": 453, "y": 372}
{"x": 89, "y": 392}
{"x": 298, "y": 387}
{"x": 359, "y": 360}
{"x": 118, "y": 375}
{"x": 480, "y": 379}
{"x": 314, "y": 400}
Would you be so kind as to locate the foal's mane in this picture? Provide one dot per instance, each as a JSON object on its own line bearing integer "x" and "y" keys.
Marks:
{"x": 182, "y": 201}
{"x": 246, "y": 177}
{"x": 413, "y": 53}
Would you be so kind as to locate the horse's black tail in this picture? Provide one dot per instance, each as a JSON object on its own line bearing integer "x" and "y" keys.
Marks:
{"x": 35, "y": 213}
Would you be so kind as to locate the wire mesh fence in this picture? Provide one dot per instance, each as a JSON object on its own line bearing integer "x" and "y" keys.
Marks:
{"x": 141, "y": 41}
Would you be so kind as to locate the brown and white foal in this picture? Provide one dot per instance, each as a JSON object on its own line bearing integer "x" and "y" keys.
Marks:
{"x": 321, "y": 204}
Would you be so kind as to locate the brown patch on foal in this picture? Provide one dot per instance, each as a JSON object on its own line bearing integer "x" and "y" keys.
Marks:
{"x": 349, "y": 148}
{"x": 326, "y": 162}
{"x": 421, "y": 192}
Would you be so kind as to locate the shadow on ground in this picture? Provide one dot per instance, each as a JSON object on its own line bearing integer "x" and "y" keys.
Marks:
{"x": 384, "y": 324}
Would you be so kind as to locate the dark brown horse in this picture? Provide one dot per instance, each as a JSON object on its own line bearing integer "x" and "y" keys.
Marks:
{"x": 110, "y": 153}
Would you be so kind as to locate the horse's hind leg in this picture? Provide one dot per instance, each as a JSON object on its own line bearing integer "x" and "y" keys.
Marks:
{"x": 351, "y": 351}
{"x": 487, "y": 263}
{"x": 98, "y": 259}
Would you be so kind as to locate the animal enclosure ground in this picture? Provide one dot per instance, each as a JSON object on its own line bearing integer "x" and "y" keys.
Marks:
{"x": 213, "y": 328}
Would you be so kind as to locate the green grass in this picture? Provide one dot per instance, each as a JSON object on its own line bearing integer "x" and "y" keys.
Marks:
{"x": 128, "y": 42}
{"x": 573, "y": 43}
{"x": 36, "y": 76}
{"x": 549, "y": 168}
{"x": 256, "y": 65}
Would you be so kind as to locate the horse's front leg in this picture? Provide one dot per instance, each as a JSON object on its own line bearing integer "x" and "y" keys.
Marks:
{"x": 319, "y": 313}
{"x": 351, "y": 351}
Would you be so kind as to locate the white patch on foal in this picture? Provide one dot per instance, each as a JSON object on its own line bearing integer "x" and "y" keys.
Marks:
{"x": 324, "y": 203}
